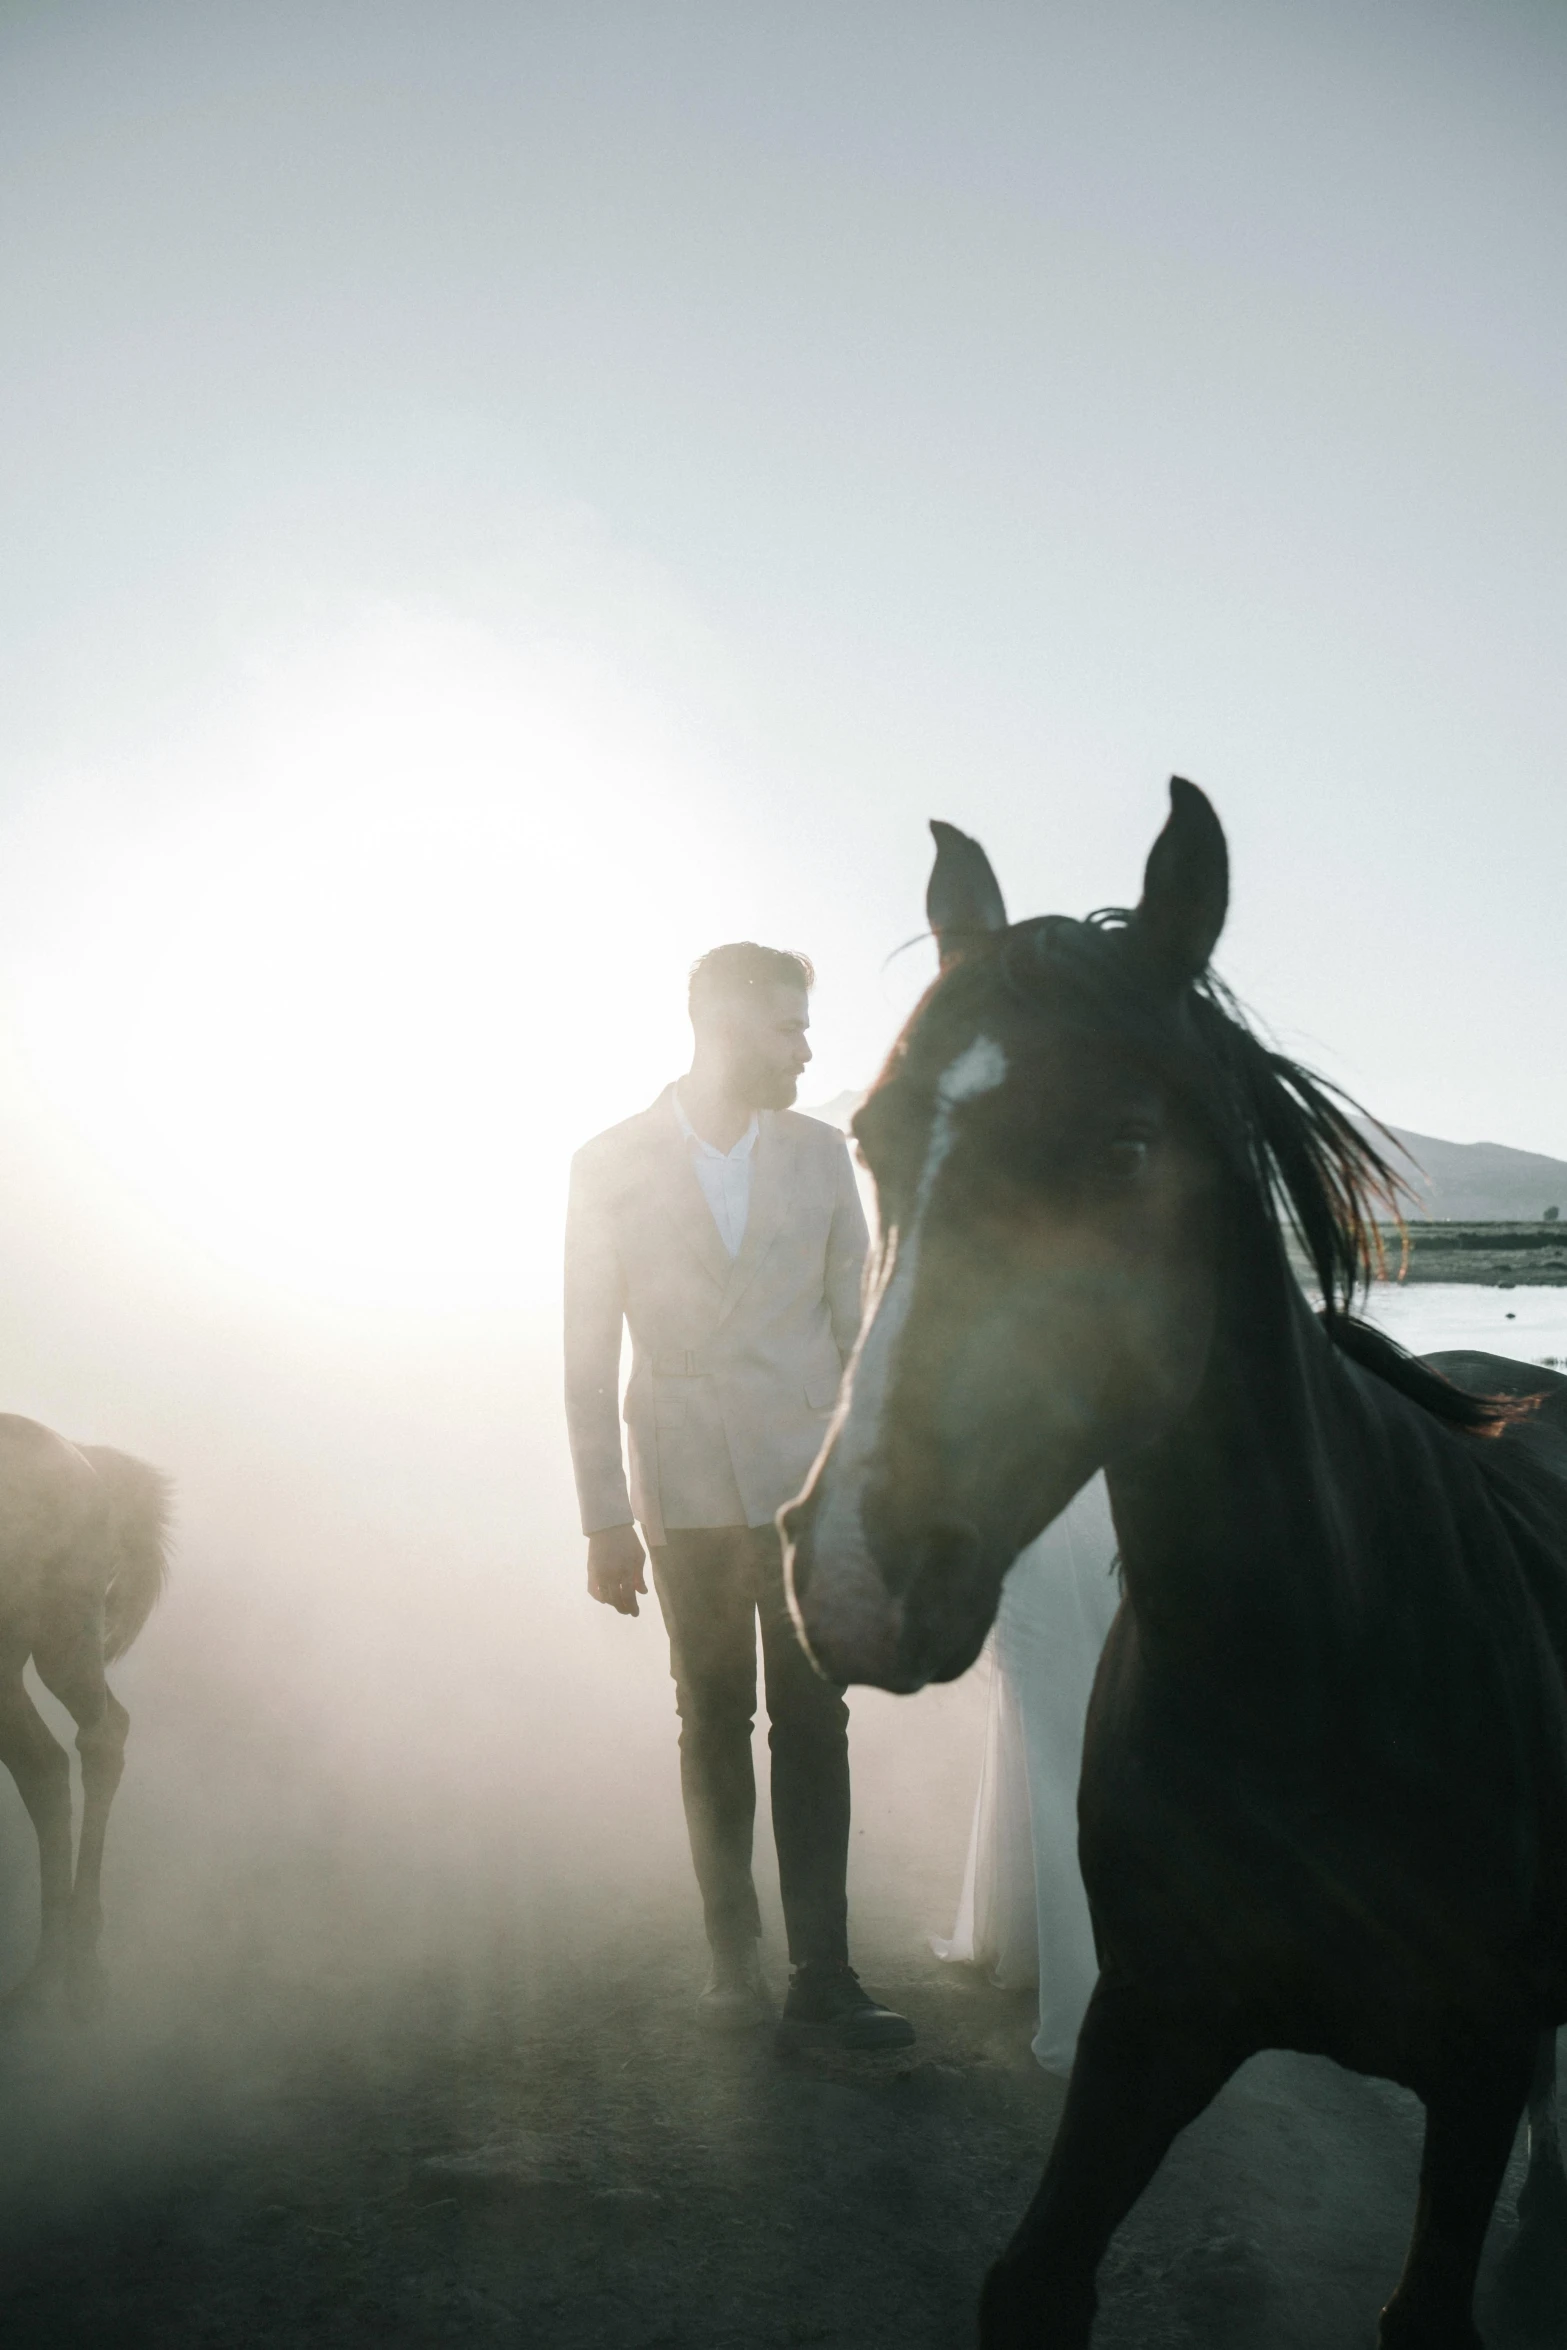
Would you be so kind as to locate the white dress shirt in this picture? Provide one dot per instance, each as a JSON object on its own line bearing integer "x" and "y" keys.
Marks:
{"x": 725, "y": 1176}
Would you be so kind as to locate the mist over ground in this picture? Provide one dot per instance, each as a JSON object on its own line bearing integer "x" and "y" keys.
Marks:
{"x": 384, "y": 1750}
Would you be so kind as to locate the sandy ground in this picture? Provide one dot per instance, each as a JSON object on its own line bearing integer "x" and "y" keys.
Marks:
{"x": 554, "y": 2156}
{"x": 519, "y": 2137}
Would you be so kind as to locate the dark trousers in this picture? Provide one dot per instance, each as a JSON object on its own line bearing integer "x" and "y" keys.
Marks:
{"x": 713, "y": 1582}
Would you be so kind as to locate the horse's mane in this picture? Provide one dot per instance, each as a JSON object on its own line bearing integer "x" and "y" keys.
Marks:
{"x": 1300, "y": 1142}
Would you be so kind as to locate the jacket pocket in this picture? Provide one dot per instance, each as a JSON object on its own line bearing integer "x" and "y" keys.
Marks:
{"x": 669, "y": 1403}
{"x": 821, "y": 1393}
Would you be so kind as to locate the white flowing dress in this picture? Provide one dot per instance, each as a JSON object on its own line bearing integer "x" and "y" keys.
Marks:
{"x": 1023, "y": 1914}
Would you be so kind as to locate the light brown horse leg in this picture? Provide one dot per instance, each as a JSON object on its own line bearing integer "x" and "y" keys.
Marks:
{"x": 41, "y": 1768}
{"x": 101, "y": 1727}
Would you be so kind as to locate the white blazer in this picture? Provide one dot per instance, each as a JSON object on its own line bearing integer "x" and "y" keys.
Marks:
{"x": 735, "y": 1362}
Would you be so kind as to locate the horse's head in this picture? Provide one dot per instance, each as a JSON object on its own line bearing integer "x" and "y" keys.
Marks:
{"x": 1043, "y": 1301}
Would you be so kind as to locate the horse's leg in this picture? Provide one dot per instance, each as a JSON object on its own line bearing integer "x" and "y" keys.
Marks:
{"x": 76, "y": 1679}
{"x": 1471, "y": 2121}
{"x": 41, "y": 1768}
{"x": 1138, "y": 2080}
{"x": 1542, "y": 2199}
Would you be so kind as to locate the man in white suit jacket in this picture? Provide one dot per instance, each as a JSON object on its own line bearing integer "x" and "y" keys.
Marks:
{"x": 727, "y": 1233}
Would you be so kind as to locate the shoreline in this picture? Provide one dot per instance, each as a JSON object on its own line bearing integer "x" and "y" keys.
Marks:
{"x": 1480, "y": 1255}
{"x": 1468, "y": 1254}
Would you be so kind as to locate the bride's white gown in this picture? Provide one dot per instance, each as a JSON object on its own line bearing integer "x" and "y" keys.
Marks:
{"x": 1023, "y": 1914}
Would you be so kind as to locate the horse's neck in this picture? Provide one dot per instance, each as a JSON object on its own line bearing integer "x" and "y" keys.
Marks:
{"x": 1232, "y": 1527}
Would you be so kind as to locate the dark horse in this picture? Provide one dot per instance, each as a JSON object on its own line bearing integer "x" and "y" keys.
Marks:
{"x": 1324, "y": 1791}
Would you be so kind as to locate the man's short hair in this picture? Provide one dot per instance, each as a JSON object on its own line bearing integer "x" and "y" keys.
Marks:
{"x": 727, "y": 975}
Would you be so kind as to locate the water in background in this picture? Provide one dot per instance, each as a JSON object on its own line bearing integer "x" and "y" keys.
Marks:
{"x": 1429, "y": 1316}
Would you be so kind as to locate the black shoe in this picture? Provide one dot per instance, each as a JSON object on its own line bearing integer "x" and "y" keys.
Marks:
{"x": 831, "y": 2006}
{"x": 734, "y": 1997}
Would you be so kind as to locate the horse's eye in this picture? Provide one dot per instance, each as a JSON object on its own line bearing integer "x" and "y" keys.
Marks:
{"x": 1128, "y": 1157}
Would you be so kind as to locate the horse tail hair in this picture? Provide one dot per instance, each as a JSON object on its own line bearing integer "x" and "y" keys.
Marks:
{"x": 139, "y": 1499}
{"x": 1373, "y": 1350}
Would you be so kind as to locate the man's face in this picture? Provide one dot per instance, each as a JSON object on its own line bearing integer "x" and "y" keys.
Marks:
{"x": 763, "y": 1039}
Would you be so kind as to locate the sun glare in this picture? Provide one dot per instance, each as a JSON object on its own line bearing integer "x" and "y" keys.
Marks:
{"x": 345, "y": 1016}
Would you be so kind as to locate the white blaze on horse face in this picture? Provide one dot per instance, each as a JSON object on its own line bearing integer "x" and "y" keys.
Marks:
{"x": 850, "y": 1610}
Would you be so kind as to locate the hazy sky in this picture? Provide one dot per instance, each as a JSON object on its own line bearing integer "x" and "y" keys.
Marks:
{"x": 496, "y": 498}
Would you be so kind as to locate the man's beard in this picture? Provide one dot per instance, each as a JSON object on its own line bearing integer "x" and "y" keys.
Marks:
{"x": 771, "y": 1089}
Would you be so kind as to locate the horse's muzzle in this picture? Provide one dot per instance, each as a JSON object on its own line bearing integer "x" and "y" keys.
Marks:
{"x": 894, "y": 1610}
{"x": 844, "y": 1612}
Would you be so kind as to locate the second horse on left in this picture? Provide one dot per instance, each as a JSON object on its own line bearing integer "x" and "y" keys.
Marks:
{"x": 83, "y": 1558}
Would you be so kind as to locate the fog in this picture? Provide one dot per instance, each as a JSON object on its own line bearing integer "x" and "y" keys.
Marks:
{"x": 383, "y": 1747}
{"x": 497, "y": 499}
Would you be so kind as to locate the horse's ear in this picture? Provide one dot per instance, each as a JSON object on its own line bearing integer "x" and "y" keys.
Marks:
{"x": 1186, "y": 887}
{"x": 963, "y": 902}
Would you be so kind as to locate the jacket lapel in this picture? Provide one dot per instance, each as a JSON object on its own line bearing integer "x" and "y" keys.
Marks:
{"x": 772, "y": 1187}
{"x": 680, "y": 1198}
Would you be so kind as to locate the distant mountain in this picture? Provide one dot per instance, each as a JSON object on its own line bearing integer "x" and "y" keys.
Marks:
{"x": 1487, "y": 1182}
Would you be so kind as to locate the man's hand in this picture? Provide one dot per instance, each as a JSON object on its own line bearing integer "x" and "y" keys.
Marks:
{"x": 615, "y": 1561}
